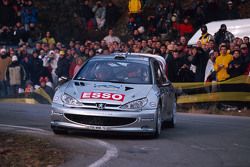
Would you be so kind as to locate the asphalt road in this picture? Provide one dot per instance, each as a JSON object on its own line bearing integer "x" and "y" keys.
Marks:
{"x": 198, "y": 140}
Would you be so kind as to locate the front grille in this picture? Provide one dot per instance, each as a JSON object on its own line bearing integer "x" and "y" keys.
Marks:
{"x": 99, "y": 121}
{"x": 107, "y": 105}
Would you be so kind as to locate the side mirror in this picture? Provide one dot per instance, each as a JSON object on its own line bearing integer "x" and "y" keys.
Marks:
{"x": 62, "y": 80}
{"x": 166, "y": 84}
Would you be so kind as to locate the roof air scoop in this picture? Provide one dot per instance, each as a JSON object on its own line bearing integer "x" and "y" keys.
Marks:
{"x": 120, "y": 56}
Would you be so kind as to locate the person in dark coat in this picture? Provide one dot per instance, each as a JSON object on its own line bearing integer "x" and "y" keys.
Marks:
{"x": 112, "y": 14}
{"x": 85, "y": 12}
{"x": 19, "y": 34}
{"x": 236, "y": 66}
{"x": 200, "y": 58}
{"x": 231, "y": 12}
{"x": 15, "y": 76}
{"x": 178, "y": 68}
{"x": 37, "y": 68}
{"x": 7, "y": 13}
{"x": 223, "y": 35}
{"x": 63, "y": 65}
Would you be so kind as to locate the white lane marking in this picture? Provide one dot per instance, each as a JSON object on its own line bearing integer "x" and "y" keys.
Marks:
{"x": 241, "y": 146}
{"x": 22, "y": 127}
{"x": 111, "y": 151}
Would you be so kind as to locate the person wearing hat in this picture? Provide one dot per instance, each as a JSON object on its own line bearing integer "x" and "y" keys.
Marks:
{"x": 50, "y": 62}
{"x": 210, "y": 74}
{"x": 44, "y": 85}
{"x": 15, "y": 76}
{"x": 63, "y": 65}
{"x": 223, "y": 35}
{"x": 205, "y": 36}
{"x": 5, "y": 61}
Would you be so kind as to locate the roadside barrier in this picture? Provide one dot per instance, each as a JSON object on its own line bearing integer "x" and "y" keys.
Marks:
{"x": 39, "y": 96}
{"x": 232, "y": 90}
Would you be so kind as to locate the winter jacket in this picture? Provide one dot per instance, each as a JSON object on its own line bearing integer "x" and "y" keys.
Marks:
{"x": 134, "y": 6}
{"x": 200, "y": 61}
{"x": 184, "y": 29}
{"x": 63, "y": 65}
{"x": 222, "y": 60}
{"x": 236, "y": 67}
{"x": 100, "y": 12}
{"x": 29, "y": 15}
{"x": 221, "y": 36}
{"x": 209, "y": 71}
{"x": 204, "y": 38}
{"x": 49, "y": 40}
{"x": 15, "y": 74}
{"x": 5, "y": 61}
{"x": 37, "y": 70}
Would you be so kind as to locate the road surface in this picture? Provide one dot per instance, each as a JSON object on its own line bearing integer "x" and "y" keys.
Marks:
{"x": 198, "y": 140}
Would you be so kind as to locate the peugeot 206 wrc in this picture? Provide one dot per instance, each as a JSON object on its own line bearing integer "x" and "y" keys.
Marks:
{"x": 121, "y": 92}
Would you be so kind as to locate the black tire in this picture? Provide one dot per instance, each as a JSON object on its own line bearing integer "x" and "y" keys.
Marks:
{"x": 171, "y": 123}
{"x": 59, "y": 131}
{"x": 158, "y": 122}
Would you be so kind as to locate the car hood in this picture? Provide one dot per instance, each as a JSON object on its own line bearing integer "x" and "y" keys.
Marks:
{"x": 105, "y": 92}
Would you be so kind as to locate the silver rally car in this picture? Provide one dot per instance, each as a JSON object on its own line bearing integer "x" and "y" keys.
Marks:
{"x": 121, "y": 92}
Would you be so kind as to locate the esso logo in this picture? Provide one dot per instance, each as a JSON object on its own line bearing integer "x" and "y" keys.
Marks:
{"x": 101, "y": 95}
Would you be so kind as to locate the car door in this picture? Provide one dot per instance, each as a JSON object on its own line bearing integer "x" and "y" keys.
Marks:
{"x": 160, "y": 81}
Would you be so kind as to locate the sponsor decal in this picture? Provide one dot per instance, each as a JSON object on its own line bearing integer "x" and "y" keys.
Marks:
{"x": 102, "y": 95}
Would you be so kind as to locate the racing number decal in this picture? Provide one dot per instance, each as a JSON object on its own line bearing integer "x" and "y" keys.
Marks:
{"x": 101, "y": 95}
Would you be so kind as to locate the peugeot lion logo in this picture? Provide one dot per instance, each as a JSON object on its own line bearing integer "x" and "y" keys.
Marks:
{"x": 100, "y": 106}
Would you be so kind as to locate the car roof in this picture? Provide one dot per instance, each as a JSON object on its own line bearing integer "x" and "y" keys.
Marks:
{"x": 134, "y": 56}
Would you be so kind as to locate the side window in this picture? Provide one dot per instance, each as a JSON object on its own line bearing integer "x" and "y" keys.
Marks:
{"x": 158, "y": 74}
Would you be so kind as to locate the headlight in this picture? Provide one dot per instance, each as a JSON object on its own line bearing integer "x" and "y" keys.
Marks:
{"x": 137, "y": 104}
{"x": 69, "y": 100}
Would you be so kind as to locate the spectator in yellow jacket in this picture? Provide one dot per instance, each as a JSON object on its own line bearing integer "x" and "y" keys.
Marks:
{"x": 221, "y": 64}
{"x": 205, "y": 36}
{"x": 134, "y": 6}
{"x": 48, "y": 39}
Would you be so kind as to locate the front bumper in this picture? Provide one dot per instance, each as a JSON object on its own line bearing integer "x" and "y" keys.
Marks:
{"x": 143, "y": 121}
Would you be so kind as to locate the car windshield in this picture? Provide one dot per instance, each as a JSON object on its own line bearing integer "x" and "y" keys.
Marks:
{"x": 117, "y": 71}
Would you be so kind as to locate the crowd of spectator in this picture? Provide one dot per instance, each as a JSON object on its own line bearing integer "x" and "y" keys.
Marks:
{"x": 170, "y": 20}
{"x": 215, "y": 57}
{"x": 18, "y": 21}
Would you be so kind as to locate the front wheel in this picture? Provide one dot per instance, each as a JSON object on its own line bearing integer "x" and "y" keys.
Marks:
{"x": 158, "y": 122}
{"x": 59, "y": 131}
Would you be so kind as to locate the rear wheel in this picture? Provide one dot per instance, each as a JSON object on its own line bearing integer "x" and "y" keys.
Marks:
{"x": 171, "y": 123}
